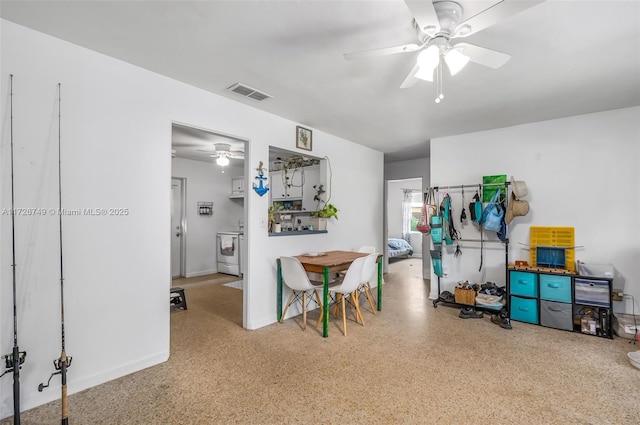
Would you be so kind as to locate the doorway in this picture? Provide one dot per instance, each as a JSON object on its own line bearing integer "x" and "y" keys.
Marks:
{"x": 404, "y": 205}
{"x": 213, "y": 203}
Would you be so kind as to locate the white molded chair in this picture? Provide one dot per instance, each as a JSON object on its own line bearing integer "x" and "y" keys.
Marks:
{"x": 369, "y": 273}
{"x": 367, "y": 249}
{"x": 347, "y": 288}
{"x": 296, "y": 278}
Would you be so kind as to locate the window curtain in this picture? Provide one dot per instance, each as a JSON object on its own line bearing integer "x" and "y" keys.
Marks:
{"x": 407, "y": 195}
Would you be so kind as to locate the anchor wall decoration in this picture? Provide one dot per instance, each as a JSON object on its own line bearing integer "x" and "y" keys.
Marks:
{"x": 261, "y": 187}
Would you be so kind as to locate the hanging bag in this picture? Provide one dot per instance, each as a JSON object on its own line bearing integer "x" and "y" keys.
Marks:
{"x": 428, "y": 210}
{"x": 493, "y": 213}
{"x": 445, "y": 212}
{"x": 436, "y": 225}
{"x": 423, "y": 224}
{"x": 432, "y": 208}
{"x": 475, "y": 208}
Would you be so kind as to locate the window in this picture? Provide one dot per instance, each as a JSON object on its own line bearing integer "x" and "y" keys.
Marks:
{"x": 416, "y": 209}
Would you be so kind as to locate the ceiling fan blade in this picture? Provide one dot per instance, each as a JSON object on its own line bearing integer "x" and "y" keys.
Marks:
{"x": 206, "y": 150}
{"x": 383, "y": 51}
{"x": 425, "y": 15}
{"x": 496, "y": 13}
{"x": 487, "y": 57}
{"x": 411, "y": 80}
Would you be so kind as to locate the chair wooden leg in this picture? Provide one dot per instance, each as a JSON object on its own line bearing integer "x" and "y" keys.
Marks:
{"x": 287, "y": 307}
{"x": 335, "y": 307}
{"x": 321, "y": 309}
{"x": 344, "y": 316}
{"x": 357, "y": 308}
{"x": 304, "y": 311}
{"x": 367, "y": 292}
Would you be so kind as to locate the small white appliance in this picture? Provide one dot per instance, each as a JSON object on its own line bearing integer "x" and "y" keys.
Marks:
{"x": 228, "y": 251}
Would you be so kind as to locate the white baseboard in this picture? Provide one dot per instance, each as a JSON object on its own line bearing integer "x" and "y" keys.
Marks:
{"x": 29, "y": 402}
{"x": 202, "y": 273}
{"x": 110, "y": 375}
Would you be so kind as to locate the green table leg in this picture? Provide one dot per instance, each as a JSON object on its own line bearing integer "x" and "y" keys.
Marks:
{"x": 325, "y": 302}
{"x": 279, "y": 301}
{"x": 380, "y": 285}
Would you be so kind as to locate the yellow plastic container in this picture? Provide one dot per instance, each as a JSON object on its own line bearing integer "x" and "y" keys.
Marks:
{"x": 562, "y": 237}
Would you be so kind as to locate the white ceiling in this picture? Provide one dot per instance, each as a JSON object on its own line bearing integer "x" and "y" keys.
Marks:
{"x": 568, "y": 57}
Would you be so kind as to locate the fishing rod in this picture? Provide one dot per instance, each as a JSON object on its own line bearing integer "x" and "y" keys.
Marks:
{"x": 14, "y": 360}
{"x": 62, "y": 363}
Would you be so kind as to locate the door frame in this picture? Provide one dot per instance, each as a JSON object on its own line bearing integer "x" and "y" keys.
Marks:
{"x": 246, "y": 302}
{"x": 183, "y": 225}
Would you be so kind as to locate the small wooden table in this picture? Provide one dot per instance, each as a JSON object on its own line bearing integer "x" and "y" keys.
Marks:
{"x": 332, "y": 262}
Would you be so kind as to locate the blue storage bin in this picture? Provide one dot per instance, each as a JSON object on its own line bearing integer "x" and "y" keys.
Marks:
{"x": 555, "y": 288}
{"x": 523, "y": 283}
{"x": 524, "y": 309}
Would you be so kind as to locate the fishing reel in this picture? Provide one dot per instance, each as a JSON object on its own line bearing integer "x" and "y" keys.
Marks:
{"x": 10, "y": 363}
{"x": 58, "y": 364}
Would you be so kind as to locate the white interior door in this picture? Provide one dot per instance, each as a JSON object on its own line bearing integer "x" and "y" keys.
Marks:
{"x": 177, "y": 228}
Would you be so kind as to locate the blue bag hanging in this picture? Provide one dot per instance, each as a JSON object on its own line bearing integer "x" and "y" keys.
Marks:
{"x": 436, "y": 260}
{"x": 493, "y": 213}
{"x": 436, "y": 229}
{"x": 445, "y": 209}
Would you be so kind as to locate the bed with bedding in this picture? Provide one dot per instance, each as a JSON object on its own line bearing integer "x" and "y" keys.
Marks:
{"x": 398, "y": 248}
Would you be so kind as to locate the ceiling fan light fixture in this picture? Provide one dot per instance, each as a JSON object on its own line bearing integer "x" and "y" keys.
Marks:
{"x": 222, "y": 161}
{"x": 425, "y": 74}
{"x": 428, "y": 59}
{"x": 455, "y": 60}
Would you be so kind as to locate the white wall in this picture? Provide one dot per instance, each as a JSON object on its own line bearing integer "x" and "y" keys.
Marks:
{"x": 580, "y": 171}
{"x": 206, "y": 182}
{"x": 116, "y": 139}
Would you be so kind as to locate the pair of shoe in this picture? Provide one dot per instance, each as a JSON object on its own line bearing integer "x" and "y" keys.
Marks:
{"x": 447, "y": 297}
{"x": 501, "y": 320}
{"x": 470, "y": 313}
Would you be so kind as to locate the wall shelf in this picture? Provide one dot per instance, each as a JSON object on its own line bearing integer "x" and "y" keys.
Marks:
{"x": 297, "y": 232}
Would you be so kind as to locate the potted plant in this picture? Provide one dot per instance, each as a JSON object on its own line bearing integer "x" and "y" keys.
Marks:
{"x": 273, "y": 210}
{"x": 318, "y": 218}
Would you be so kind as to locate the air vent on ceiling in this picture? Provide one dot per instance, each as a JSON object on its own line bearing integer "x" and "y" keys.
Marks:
{"x": 247, "y": 91}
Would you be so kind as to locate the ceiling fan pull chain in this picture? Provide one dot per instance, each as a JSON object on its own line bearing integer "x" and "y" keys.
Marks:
{"x": 439, "y": 95}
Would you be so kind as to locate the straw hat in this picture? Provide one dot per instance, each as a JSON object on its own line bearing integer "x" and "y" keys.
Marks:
{"x": 519, "y": 188}
{"x": 516, "y": 208}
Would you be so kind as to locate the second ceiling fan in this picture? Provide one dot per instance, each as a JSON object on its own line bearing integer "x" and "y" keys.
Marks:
{"x": 437, "y": 23}
{"x": 222, "y": 152}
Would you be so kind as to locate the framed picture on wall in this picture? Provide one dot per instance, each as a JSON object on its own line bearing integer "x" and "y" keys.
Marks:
{"x": 303, "y": 138}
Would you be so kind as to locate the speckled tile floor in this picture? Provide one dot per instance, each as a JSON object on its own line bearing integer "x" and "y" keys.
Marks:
{"x": 409, "y": 364}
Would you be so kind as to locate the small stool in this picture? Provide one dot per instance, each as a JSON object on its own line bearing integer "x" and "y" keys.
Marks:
{"x": 177, "y": 298}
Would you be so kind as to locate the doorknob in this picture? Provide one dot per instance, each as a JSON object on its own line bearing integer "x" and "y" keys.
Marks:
{"x": 178, "y": 234}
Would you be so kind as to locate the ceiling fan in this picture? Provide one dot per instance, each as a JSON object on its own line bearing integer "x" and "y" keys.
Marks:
{"x": 222, "y": 152}
{"x": 437, "y": 24}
